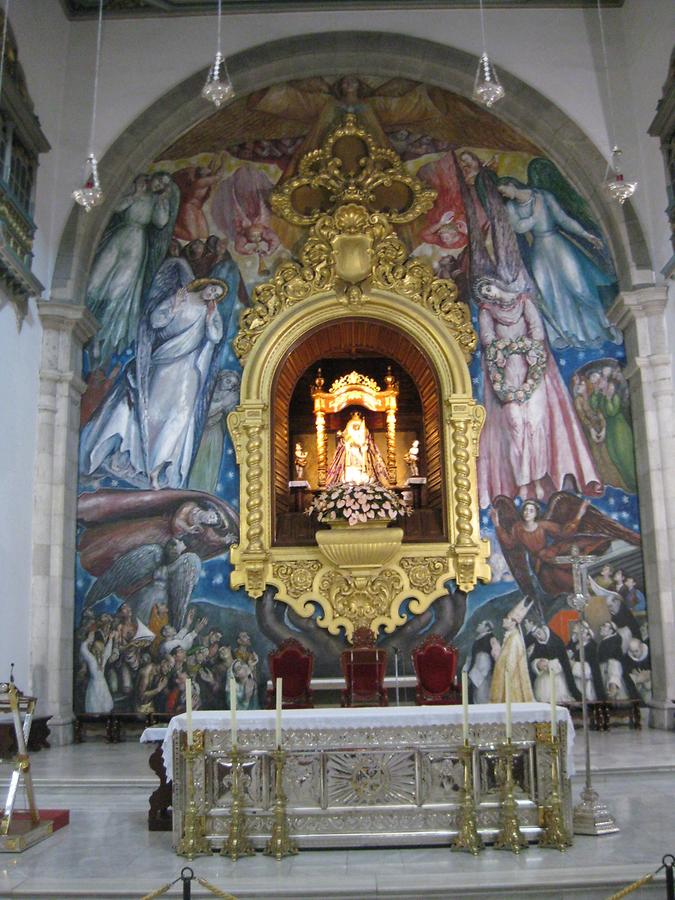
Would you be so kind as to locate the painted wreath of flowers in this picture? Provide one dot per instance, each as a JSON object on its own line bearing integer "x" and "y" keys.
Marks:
{"x": 535, "y": 354}
{"x": 358, "y": 503}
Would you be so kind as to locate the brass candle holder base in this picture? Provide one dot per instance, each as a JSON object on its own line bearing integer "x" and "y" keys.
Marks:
{"x": 280, "y": 843}
{"x": 238, "y": 842}
{"x": 467, "y": 838}
{"x": 509, "y": 837}
{"x": 193, "y": 842}
{"x": 555, "y": 835}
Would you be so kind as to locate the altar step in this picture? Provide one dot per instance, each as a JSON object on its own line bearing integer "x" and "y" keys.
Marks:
{"x": 106, "y": 851}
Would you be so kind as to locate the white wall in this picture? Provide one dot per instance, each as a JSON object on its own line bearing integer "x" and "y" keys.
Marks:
{"x": 553, "y": 50}
{"x": 41, "y": 31}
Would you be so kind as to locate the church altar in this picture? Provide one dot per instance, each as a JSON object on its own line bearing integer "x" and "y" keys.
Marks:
{"x": 369, "y": 776}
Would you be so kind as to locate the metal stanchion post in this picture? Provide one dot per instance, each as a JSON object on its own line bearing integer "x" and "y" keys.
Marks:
{"x": 591, "y": 816}
{"x": 187, "y": 882}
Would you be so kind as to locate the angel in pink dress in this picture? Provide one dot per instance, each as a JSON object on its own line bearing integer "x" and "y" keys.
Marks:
{"x": 241, "y": 210}
{"x": 532, "y": 438}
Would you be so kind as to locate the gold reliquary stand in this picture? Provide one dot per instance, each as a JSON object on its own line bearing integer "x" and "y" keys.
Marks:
{"x": 350, "y": 194}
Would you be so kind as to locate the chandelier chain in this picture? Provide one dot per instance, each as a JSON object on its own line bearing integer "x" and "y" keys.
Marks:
{"x": 482, "y": 26}
{"x": 610, "y": 100}
{"x": 92, "y": 133}
{"x": 220, "y": 13}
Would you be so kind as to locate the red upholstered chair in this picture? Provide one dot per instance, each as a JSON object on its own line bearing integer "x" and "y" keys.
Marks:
{"x": 294, "y": 664}
{"x": 363, "y": 667}
{"x": 435, "y": 665}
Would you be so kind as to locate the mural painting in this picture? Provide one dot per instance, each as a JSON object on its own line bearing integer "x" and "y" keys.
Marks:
{"x": 183, "y": 251}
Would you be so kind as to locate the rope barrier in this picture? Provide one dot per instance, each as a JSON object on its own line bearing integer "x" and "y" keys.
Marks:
{"x": 187, "y": 879}
{"x": 214, "y": 890}
{"x": 634, "y": 886}
{"x": 667, "y": 863}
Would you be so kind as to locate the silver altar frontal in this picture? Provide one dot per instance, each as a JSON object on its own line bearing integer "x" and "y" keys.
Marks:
{"x": 371, "y": 776}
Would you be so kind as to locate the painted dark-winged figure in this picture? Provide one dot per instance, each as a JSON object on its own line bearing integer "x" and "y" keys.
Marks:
{"x": 530, "y": 539}
{"x": 147, "y": 547}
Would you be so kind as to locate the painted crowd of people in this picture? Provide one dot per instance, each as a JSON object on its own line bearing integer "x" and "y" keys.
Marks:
{"x": 125, "y": 666}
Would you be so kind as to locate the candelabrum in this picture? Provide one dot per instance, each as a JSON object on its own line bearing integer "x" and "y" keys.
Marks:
{"x": 555, "y": 835}
{"x": 467, "y": 838}
{"x": 237, "y": 843}
{"x": 509, "y": 837}
{"x": 193, "y": 842}
{"x": 280, "y": 843}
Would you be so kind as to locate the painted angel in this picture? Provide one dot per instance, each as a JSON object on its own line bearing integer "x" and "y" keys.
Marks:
{"x": 241, "y": 211}
{"x": 128, "y": 255}
{"x": 531, "y": 540}
{"x": 565, "y": 254}
{"x": 148, "y": 429}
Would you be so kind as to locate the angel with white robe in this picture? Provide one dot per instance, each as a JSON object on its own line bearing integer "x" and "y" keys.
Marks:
{"x": 148, "y": 429}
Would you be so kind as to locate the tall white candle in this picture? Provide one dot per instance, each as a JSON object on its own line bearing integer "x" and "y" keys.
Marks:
{"x": 508, "y": 704}
{"x": 188, "y": 709}
{"x": 465, "y": 705}
{"x": 554, "y": 703}
{"x": 233, "y": 710}
{"x": 278, "y": 713}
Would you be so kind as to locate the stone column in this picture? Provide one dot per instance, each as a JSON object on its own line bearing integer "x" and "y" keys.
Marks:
{"x": 641, "y": 316}
{"x": 65, "y": 330}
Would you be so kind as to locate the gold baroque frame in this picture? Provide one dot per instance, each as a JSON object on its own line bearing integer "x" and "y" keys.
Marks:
{"x": 302, "y": 575}
{"x": 353, "y": 265}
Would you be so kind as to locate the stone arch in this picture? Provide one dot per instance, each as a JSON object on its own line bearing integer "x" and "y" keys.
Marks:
{"x": 372, "y": 53}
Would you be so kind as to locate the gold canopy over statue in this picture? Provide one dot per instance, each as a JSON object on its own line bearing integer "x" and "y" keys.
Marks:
{"x": 354, "y": 268}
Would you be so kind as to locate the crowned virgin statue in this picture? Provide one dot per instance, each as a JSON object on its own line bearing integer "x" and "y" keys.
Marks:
{"x": 357, "y": 459}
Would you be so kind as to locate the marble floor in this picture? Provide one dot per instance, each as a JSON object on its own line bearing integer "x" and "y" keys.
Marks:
{"x": 107, "y": 852}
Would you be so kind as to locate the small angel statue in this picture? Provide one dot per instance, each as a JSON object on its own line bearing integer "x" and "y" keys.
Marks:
{"x": 300, "y": 461}
{"x": 412, "y": 458}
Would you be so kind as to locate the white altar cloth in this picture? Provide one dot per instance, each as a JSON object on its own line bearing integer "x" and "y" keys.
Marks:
{"x": 354, "y": 717}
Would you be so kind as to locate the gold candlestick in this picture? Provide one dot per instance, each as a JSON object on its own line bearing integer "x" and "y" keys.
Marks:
{"x": 280, "y": 843}
{"x": 193, "y": 842}
{"x": 467, "y": 838}
{"x": 238, "y": 842}
{"x": 555, "y": 835}
{"x": 510, "y": 837}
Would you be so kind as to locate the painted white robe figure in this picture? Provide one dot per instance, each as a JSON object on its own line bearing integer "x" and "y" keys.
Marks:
{"x": 567, "y": 278}
{"x": 127, "y": 257}
{"x": 97, "y": 698}
{"x": 147, "y": 430}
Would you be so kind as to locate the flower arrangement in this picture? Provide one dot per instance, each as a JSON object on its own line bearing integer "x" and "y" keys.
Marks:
{"x": 496, "y": 356}
{"x": 358, "y": 503}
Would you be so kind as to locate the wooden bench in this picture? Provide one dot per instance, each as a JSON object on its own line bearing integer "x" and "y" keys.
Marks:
{"x": 602, "y": 714}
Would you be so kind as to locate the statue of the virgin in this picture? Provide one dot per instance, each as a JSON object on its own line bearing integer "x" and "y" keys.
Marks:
{"x": 357, "y": 459}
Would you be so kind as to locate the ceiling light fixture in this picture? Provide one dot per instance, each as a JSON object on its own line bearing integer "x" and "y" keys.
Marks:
{"x": 91, "y": 194}
{"x": 218, "y": 87}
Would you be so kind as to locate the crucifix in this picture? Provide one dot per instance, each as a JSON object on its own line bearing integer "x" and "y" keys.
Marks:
{"x": 591, "y": 816}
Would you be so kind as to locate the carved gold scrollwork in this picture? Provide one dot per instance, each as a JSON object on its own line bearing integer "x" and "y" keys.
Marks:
{"x": 359, "y": 601}
{"x": 297, "y": 575}
{"x": 351, "y": 168}
{"x": 423, "y": 572}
